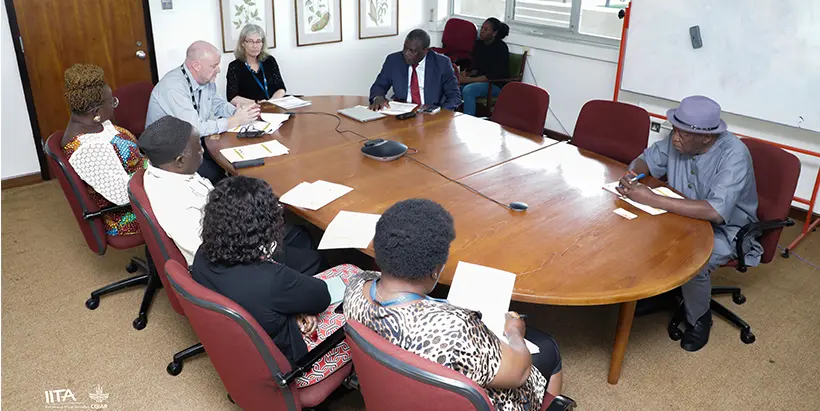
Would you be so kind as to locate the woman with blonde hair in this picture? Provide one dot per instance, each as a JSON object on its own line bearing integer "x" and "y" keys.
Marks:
{"x": 103, "y": 155}
{"x": 254, "y": 75}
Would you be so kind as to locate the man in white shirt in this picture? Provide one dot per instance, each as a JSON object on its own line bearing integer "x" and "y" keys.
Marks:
{"x": 178, "y": 194}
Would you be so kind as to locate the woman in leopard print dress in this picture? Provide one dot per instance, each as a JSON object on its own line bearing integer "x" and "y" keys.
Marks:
{"x": 412, "y": 244}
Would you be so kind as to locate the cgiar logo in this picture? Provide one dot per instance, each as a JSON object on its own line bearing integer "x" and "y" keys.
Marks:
{"x": 100, "y": 397}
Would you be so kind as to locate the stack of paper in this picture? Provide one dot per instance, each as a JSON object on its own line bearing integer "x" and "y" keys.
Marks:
{"x": 664, "y": 191}
{"x": 397, "y": 107}
{"x": 350, "y": 230}
{"x": 252, "y": 152}
{"x": 289, "y": 102}
{"x": 488, "y": 291}
{"x": 314, "y": 196}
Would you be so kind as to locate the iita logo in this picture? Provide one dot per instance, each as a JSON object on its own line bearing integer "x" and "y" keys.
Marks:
{"x": 65, "y": 398}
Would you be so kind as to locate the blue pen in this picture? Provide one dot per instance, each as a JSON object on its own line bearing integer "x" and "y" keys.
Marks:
{"x": 637, "y": 177}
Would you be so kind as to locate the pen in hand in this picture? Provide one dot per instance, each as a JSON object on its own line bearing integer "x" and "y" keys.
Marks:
{"x": 637, "y": 177}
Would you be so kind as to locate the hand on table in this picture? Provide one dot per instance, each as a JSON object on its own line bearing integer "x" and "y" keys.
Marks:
{"x": 379, "y": 103}
{"x": 247, "y": 113}
{"x": 634, "y": 190}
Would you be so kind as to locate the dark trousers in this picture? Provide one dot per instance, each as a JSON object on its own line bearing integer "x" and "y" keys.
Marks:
{"x": 548, "y": 361}
{"x": 209, "y": 168}
{"x": 298, "y": 252}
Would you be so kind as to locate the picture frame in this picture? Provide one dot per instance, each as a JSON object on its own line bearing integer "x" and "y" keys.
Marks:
{"x": 378, "y": 18}
{"x": 318, "y": 21}
{"x": 235, "y": 14}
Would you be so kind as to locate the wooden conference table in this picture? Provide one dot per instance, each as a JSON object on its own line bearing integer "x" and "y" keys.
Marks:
{"x": 568, "y": 248}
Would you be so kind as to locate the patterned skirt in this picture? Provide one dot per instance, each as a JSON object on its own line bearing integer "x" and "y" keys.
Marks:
{"x": 329, "y": 321}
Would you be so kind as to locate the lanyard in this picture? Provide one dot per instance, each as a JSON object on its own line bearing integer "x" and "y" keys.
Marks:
{"x": 264, "y": 77}
{"x": 406, "y": 297}
{"x": 191, "y": 89}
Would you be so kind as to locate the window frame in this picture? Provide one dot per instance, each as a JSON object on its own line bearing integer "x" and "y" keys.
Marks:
{"x": 571, "y": 34}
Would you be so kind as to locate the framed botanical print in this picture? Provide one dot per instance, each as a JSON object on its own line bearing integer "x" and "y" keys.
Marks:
{"x": 378, "y": 18}
{"x": 318, "y": 21}
{"x": 236, "y": 14}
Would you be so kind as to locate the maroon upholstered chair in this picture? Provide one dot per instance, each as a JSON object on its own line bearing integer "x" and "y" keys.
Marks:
{"x": 89, "y": 217}
{"x": 425, "y": 385}
{"x": 256, "y": 374}
{"x": 776, "y": 173}
{"x": 162, "y": 250}
{"x": 613, "y": 129}
{"x": 133, "y": 107}
{"x": 458, "y": 39}
{"x": 522, "y": 106}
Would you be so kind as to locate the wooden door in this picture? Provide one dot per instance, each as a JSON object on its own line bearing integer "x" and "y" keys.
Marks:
{"x": 59, "y": 33}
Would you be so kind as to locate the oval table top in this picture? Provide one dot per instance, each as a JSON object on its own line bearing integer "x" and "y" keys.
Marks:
{"x": 568, "y": 248}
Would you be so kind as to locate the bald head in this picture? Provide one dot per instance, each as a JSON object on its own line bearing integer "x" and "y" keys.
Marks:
{"x": 203, "y": 60}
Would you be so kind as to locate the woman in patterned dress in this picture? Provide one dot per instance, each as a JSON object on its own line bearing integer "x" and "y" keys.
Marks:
{"x": 103, "y": 155}
{"x": 242, "y": 227}
{"x": 412, "y": 244}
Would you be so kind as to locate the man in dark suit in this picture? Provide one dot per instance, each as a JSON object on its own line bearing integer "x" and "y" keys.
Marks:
{"x": 417, "y": 75}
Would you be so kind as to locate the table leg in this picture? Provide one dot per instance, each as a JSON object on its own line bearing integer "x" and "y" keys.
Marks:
{"x": 625, "y": 316}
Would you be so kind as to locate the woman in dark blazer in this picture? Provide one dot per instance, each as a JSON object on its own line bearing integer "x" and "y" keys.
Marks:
{"x": 254, "y": 75}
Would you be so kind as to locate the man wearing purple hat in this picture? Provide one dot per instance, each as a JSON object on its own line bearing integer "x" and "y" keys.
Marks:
{"x": 712, "y": 168}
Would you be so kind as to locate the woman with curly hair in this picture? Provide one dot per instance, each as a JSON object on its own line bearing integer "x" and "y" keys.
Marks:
{"x": 242, "y": 228}
{"x": 103, "y": 155}
{"x": 412, "y": 244}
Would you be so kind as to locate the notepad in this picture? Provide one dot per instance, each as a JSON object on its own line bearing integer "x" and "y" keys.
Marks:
{"x": 486, "y": 290}
{"x": 664, "y": 191}
{"x": 289, "y": 102}
{"x": 349, "y": 230}
{"x": 397, "y": 107}
{"x": 336, "y": 287}
{"x": 254, "y": 151}
{"x": 314, "y": 196}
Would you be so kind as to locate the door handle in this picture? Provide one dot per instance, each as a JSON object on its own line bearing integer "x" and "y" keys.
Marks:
{"x": 141, "y": 54}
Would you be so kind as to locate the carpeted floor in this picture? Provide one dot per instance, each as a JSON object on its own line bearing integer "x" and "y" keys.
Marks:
{"x": 50, "y": 341}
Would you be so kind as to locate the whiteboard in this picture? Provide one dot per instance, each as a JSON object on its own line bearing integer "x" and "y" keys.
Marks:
{"x": 760, "y": 58}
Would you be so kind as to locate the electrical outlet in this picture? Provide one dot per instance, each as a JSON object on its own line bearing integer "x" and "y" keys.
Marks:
{"x": 528, "y": 50}
{"x": 655, "y": 126}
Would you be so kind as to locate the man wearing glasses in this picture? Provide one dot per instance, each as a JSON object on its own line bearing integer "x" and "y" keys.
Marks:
{"x": 712, "y": 168}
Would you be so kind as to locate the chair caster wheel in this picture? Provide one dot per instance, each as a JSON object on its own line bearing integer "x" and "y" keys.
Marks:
{"x": 140, "y": 323}
{"x": 174, "y": 368}
{"x": 785, "y": 253}
{"x": 747, "y": 337}
{"x": 132, "y": 267}
{"x": 92, "y": 303}
{"x": 738, "y": 298}
{"x": 675, "y": 333}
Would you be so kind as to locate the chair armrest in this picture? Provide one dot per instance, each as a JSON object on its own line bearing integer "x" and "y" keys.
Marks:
{"x": 504, "y": 80}
{"x": 303, "y": 364}
{"x": 561, "y": 403}
{"x": 95, "y": 214}
{"x": 753, "y": 230}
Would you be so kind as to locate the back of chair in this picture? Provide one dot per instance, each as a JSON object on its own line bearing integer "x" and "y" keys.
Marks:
{"x": 382, "y": 366}
{"x": 77, "y": 194}
{"x": 517, "y": 65}
{"x": 133, "y": 107}
{"x": 161, "y": 247}
{"x": 459, "y": 38}
{"x": 522, "y": 106}
{"x": 613, "y": 129}
{"x": 242, "y": 353}
{"x": 776, "y": 173}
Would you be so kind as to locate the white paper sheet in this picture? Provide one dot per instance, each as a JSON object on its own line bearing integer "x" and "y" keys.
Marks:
{"x": 314, "y": 196}
{"x": 397, "y": 107}
{"x": 268, "y": 128}
{"x": 289, "y": 102}
{"x": 487, "y": 290}
{"x": 349, "y": 230}
{"x": 253, "y": 151}
{"x": 651, "y": 210}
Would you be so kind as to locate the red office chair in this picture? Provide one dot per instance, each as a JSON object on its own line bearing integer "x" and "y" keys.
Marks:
{"x": 255, "y": 373}
{"x": 133, "y": 107}
{"x": 88, "y": 215}
{"x": 522, "y": 106}
{"x": 776, "y": 173}
{"x": 458, "y": 39}
{"x": 163, "y": 249}
{"x": 425, "y": 385}
{"x": 616, "y": 130}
